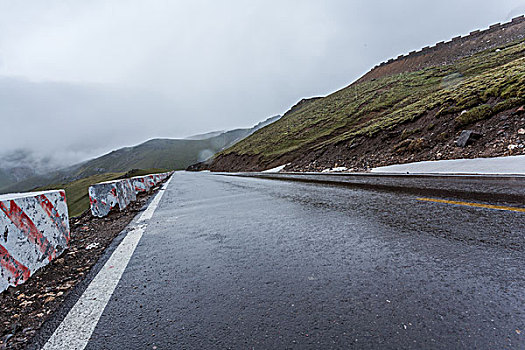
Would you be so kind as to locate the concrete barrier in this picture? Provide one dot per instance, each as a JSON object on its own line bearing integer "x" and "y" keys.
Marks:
{"x": 34, "y": 226}
{"x": 105, "y": 196}
{"x": 126, "y": 193}
{"x": 150, "y": 179}
{"x": 102, "y": 198}
{"x": 140, "y": 184}
{"x": 34, "y": 229}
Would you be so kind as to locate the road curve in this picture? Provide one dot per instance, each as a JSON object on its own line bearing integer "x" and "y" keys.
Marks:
{"x": 231, "y": 262}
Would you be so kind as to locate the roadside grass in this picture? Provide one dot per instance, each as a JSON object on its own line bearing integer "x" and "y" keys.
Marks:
{"x": 142, "y": 172}
{"x": 480, "y": 85}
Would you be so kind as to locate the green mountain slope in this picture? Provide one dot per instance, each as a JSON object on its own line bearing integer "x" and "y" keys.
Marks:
{"x": 160, "y": 153}
{"x": 170, "y": 154}
{"x": 157, "y": 153}
{"x": 380, "y": 120}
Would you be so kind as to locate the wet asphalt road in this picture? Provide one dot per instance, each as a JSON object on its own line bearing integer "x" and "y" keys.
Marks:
{"x": 243, "y": 263}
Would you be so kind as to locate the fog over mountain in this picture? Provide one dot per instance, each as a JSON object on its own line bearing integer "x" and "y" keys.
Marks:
{"x": 79, "y": 79}
{"x": 70, "y": 122}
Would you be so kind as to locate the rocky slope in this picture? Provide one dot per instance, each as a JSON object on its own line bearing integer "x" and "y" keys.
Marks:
{"x": 402, "y": 116}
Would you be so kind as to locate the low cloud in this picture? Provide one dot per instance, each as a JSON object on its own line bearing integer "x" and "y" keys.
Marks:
{"x": 68, "y": 123}
{"x": 78, "y": 79}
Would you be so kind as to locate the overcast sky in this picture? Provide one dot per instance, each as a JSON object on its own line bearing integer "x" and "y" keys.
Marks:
{"x": 80, "y": 78}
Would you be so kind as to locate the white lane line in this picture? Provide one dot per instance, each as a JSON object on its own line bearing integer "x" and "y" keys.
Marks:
{"x": 76, "y": 328}
{"x": 148, "y": 213}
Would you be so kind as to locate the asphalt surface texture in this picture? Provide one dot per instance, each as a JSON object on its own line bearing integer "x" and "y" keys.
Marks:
{"x": 250, "y": 263}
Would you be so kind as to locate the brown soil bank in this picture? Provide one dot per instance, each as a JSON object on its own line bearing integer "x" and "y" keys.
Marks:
{"x": 501, "y": 135}
{"x": 402, "y": 117}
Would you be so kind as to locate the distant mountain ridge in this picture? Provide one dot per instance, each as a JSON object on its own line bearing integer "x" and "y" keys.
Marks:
{"x": 173, "y": 154}
{"x": 205, "y": 136}
{"x": 444, "y": 53}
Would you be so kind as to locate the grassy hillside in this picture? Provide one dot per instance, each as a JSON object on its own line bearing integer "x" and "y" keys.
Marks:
{"x": 461, "y": 94}
{"x": 159, "y": 153}
{"x": 169, "y": 154}
{"x": 77, "y": 191}
{"x": 172, "y": 154}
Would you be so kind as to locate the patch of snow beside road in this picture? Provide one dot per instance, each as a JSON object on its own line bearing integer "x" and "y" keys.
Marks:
{"x": 335, "y": 170}
{"x": 276, "y": 169}
{"x": 499, "y": 165}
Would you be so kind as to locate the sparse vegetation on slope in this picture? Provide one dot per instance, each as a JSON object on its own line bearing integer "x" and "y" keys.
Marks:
{"x": 472, "y": 89}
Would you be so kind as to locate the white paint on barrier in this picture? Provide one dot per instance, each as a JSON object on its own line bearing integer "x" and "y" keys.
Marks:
{"x": 105, "y": 196}
{"x": 76, "y": 328}
{"x": 140, "y": 184}
{"x": 34, "y": 230}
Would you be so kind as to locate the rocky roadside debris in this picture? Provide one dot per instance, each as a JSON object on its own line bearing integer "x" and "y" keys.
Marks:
{"x": 467, "y": 137}
{"x": 501, "y": 135}
{"x": 431, "y": 137}
{"x": 25, "y": 308}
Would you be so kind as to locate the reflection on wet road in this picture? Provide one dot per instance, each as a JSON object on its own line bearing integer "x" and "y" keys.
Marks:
{"x": 230, "y": 262}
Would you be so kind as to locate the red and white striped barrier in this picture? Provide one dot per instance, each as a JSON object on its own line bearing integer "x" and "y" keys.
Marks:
{"x": 140, "y": 184}
{"x": 126, "y": 193}
{"x": 150, "y": 179}
{"x": 106, "y": 195}
{"x": 34, "y": 229}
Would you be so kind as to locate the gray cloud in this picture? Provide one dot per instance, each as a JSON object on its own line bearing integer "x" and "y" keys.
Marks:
{"x": 77, "y": 121}
{"x": 83, "y": 77}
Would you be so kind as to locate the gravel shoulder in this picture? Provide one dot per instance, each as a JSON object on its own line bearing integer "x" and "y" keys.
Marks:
{"x": 24, "y": 309}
